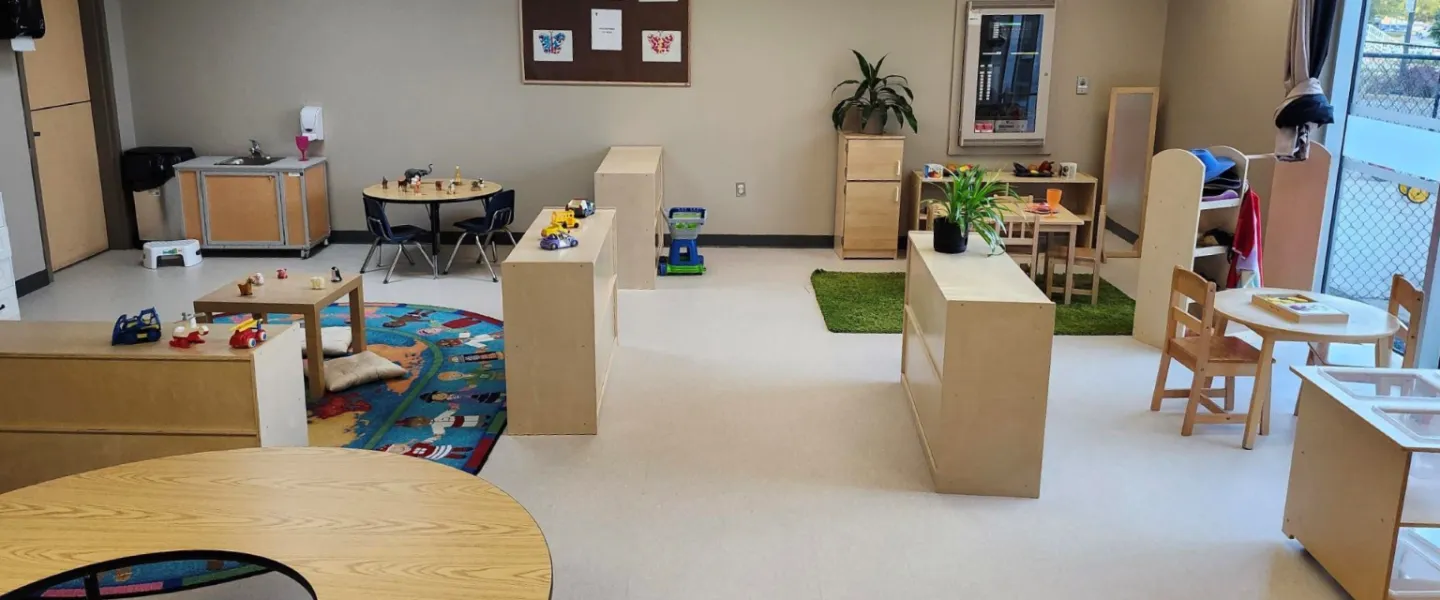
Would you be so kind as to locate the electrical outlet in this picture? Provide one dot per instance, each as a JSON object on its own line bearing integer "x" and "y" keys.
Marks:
{"x": 740, "y": 190}
{"x": 1082, "y": 85}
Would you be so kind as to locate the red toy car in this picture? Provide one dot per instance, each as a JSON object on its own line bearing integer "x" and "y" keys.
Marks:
{"x": 249, "y": 334}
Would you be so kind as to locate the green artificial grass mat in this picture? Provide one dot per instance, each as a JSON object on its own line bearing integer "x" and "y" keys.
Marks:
{"x": 875, "y": 303}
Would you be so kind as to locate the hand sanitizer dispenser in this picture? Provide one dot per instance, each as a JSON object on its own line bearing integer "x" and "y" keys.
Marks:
{"x": 312, "y": 123}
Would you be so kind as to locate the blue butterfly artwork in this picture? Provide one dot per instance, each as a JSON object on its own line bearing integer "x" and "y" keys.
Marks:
{"x": 553, "y": 42}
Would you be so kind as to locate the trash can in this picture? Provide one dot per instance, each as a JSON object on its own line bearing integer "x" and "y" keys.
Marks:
{"x": 145, "y": 173}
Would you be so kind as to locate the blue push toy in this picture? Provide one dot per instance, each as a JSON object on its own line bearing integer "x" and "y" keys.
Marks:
{"x": 143, "y": 328}
{"x": 685, "y": 258}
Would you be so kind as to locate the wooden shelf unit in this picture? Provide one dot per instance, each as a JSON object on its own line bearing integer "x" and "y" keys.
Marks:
{"x": 1292, "y": 238}
{"x": 1081, "y": 196}
{"x": 129, "y": 403}
{"x": 979, "y": 407}
{"x": 867, "y": 195}
{"x": 561, "y": 327}
{"x": 1175, "y": 216}
{"x": 631, "y": 180}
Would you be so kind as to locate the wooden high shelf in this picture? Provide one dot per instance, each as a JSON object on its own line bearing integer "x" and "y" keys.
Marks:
{"x": 71, "y": 402}
{"x": 1175, "y": 216}
{"x": 561, "y": 327}
{"x": 1365, "y": 478}
{"x": 867, "y": 195}
{"x": 1080, "y": 195}
{"x": 631, "y": 180}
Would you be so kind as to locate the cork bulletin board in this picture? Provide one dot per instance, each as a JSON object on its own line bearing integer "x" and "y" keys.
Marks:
{"x": 605, "y": 42}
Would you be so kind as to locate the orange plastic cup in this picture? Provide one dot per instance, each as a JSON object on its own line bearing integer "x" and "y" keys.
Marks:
{"x": 1052, "y": 197}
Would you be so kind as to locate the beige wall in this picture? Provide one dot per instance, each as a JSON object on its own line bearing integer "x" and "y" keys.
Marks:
{"x": 17, "y": 180}
{"x": 408, "y": 83}
{"x": 1224, "y": 76}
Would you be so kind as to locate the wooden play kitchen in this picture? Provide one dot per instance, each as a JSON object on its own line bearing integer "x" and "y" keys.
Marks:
{"x": 631, "y": 180}
{"x": 71, "y": 402}
{"x": 294, "y": 296}
{"x": 1364, "y": 494}
{"x": 284, "y": 205}
{"x": 347, "y": 524}
{"x": 979, "y": 407}
{"x": 867, "y": 195}
{"x": 561, "y": 327}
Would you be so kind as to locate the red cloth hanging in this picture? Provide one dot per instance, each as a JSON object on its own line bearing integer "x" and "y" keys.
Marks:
{"x": 1247, "y": 252}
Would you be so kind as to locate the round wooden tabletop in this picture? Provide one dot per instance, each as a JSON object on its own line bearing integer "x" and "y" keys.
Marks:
{"x": 1367, "y": 323}
{"x": 350, "y": 523}
{"x": 427, "y": 194}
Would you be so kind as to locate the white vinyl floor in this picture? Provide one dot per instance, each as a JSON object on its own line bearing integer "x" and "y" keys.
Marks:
{"x": 745, "y": 452}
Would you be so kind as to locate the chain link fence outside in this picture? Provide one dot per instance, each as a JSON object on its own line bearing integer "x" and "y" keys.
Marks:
{"x": 1394, "y": 80}
{"x": 1379, "y": 231}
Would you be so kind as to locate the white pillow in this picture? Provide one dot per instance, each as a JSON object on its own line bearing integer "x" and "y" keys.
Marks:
{"x": 334, "y": 341}
{"x": 347, "y": 372}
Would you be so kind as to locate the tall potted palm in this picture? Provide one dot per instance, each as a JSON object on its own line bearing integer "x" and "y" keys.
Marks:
{"x": 876, "y": 96}
{"x": 969, "y": 205}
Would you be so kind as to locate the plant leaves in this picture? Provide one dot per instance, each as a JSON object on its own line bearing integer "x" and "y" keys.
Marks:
{"x": 876, "y": 71}
{"x": 865, "y": 70}
{"x": 843, "y": 84}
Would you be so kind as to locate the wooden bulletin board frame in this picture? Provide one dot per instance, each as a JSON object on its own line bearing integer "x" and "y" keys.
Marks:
{"x": 605, "y": 67}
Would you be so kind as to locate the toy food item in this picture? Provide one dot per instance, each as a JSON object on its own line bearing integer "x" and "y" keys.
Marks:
{"x": 317, "y": 283}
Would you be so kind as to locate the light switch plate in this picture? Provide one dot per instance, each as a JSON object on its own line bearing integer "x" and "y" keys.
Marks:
{"x": 740, "y": 190}
{"x": 1082, "y": 85}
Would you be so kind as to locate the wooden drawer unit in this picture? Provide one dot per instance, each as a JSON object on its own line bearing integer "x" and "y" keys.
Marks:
{"x": 867, "y": 195}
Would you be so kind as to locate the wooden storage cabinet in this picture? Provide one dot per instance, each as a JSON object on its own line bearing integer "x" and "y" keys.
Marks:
{"x": 867, "y": 195}
{"x": 631, "y": 180}
{"x": 284, "y": 206}
{"x": 561, "y": 328}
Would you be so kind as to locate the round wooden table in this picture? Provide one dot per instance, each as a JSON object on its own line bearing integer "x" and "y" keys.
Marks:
{"x": 346, "y": 524}
{"x": 431, "y": 199}
{"x": 1367, "y": 324}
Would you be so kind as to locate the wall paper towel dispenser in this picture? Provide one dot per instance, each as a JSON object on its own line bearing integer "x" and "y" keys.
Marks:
{"x": 312, "y": 123}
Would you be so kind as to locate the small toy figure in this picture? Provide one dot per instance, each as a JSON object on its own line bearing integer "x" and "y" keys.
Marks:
{"x": 428, "y": 450}
{"x": 456, "y": 180}
{"x": 384, "y": 183}
{"x": 475, "y": 186}
{"x": 257, "y": 278}
{"x": 282, "y": 273}
{"x": 413, "y": 176}
{"x": 564, "y": 218}
{"x": 317, "y": 283}
{"x": 439, "y": 185}
{"x": 247, "y": 288}
{"x": 450, "y": 189}
{"x": 335, "y": 275}
{"x": 248, "y": 334}
{"x": 581, "y": 207}
{"x": 143, "y": 328}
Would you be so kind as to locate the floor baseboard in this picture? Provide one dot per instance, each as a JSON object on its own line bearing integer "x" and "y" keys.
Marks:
{"x": 718, "y": 240}
{"x": 31, "y": 283}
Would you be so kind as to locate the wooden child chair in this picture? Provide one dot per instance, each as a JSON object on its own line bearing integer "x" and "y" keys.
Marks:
{"x": 1402, "y": 295}
{"x": 1086, "y": 257}
{"x": 1208, "y": 353}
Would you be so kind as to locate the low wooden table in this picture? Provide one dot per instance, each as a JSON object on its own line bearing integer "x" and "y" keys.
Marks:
{"x": 351, "y": 523}
{"x": 1367, "y": 324}
{"x": 293, "y": 296}
{"x": 976, "y": 366}
{"x": 561, "y": 327}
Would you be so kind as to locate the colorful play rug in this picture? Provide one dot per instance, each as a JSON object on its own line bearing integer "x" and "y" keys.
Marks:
{"x": 450, "y": 409}
{"x": 875, "y": 303}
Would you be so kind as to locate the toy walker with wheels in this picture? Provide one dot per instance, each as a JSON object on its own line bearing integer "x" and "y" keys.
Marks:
{"x": 685, "y": 259}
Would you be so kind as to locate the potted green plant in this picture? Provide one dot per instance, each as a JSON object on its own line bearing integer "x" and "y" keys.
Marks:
{"x": 876, "y": 97}
{"x": 969, "y": 205}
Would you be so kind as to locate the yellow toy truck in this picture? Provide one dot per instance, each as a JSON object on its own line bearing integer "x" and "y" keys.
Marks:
{"x": 564, "y": 218}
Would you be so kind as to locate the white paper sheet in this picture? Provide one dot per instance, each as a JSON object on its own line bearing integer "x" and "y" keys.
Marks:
{"x": 554, "y": 45}
{"x": 660, "y": 46}
{"x": 605, "y": 27}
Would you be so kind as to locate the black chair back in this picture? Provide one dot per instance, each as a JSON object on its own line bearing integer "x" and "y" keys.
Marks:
{"x": 376, "y": 221}
{"x": 500, "y": 210}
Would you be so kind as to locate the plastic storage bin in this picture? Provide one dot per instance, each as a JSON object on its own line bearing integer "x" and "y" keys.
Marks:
{"x": 1417, "y": 567}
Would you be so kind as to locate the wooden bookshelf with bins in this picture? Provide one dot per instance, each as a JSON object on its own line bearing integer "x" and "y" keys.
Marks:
{"x": 1175, "y": 217}
{"x": 1081, "y": 196}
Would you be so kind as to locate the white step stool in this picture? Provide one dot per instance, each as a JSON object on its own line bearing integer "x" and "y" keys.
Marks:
{"x": 187, "y": 250}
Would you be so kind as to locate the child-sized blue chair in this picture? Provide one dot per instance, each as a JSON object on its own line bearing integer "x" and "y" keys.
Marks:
{"x": 499, "y": 214}
{"x": 385, "y": 234}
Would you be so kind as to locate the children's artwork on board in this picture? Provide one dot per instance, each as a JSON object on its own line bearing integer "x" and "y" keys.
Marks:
{"x": 554, "y": 45}
{"x": 660, "y": 46}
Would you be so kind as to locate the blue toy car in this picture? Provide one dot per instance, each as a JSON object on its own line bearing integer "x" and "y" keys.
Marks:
{"x": 558, "y": 241}
{"x": 143, "y": 328}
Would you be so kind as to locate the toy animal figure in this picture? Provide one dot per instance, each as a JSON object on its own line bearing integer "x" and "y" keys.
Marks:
{"x": 282, "y": 274}
{"x": 257, "y": 279}
{"x": 439, "y": 185}
{"x": 247, "y": 288}
{"x": 413, "y": 176}
{"x": 475, "y": 186}
{"x": 450, "y": 189}
{"x": 317, "y": 283}
{"x": 414, "y": 316}
{"x": 335, "y": 275}
{"x": 384, "y": 183}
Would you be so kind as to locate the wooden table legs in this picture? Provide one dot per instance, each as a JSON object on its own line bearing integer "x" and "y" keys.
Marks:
{"x": 315, "y": 354}
{"x": 357, "y": 319}
{"x": 1070, "y": 266}
{"x": 1258, "y": 420}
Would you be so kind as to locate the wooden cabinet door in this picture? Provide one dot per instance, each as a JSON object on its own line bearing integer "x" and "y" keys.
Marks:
{"x": 242, "y": 208}
{"x": 69, "y": 168}
{"x": 874, "y": 160}
{"x": 872, "y": 216}
{"x": 55, "y": 72}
